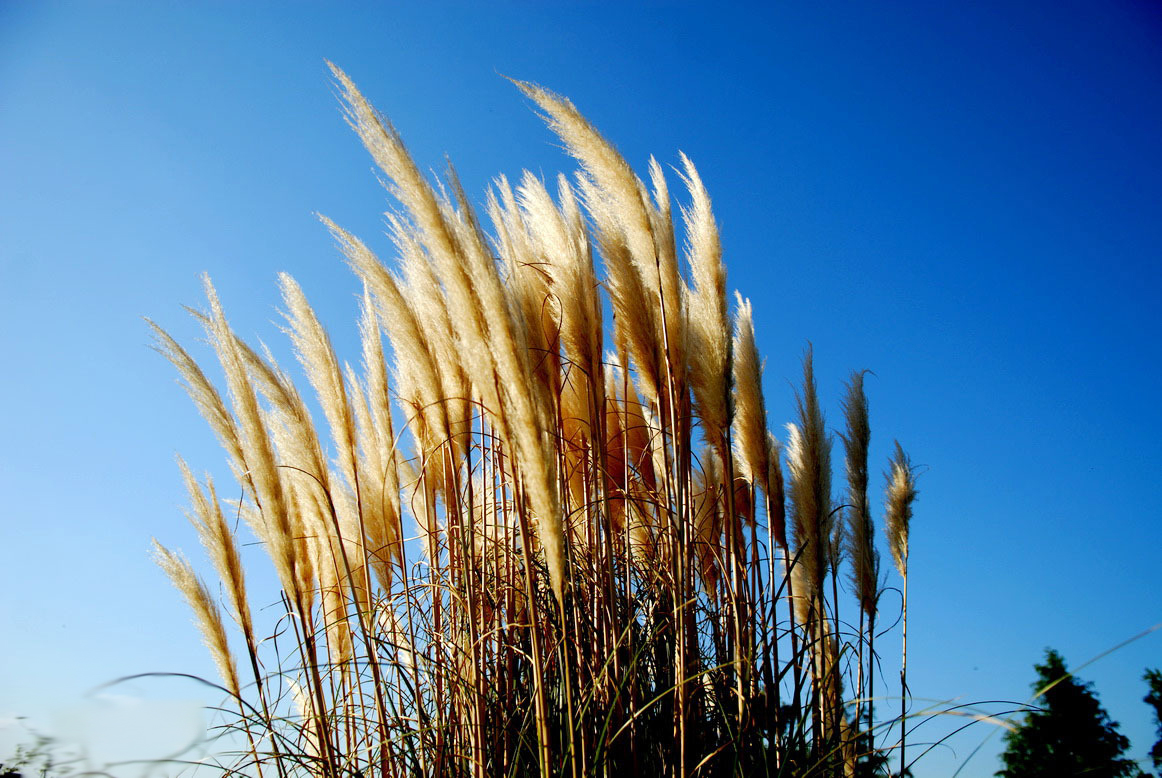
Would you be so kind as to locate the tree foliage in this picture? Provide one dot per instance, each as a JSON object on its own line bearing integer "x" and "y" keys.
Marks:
{"x": 1067, "y": 734}
{"x": 1154, "y": 698}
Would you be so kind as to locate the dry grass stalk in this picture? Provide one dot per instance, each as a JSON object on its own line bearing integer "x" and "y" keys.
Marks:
{"x": 901, "y": 493}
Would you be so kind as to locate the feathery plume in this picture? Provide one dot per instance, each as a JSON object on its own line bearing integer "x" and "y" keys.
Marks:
{"x": 750, "y": 411}
{"x": 219, "y": 543}
{"x": 708, "y": 325}
{"x": 860, "y": 530}
{"x": 206, "y": 398}
{"x": 206, "y": 613}
{"x": 417, "y": 372}
{"x": 777, "y": 503}
{"x": 901, "y": 492}
{"x": 317, "y": 356}
{"x": 627, "y": 223}
{"x": 606, "y": 167}
{"x": 258, "y": 453}
{"x": 809, "y": 462}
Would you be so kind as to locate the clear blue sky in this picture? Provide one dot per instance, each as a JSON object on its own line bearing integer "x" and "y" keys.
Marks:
{"x": 967, "y": 201}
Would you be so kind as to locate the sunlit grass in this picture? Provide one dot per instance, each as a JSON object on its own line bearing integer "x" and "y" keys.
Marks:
{"x": 536, "y": 544}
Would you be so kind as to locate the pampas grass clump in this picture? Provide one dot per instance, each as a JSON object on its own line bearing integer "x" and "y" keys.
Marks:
{"x": 535, "y": 545}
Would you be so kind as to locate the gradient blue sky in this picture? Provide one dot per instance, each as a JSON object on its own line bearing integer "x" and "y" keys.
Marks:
{"x": 966, "y": 200}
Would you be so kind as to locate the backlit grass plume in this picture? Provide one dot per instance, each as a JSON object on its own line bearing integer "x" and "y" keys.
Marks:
{"x": 901, "y": 493}
{"x": 514, "y": 541}
{"x": 898, "y": 508}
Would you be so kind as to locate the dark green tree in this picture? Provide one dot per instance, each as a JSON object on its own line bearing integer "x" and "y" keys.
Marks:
{"x": 1154, "y": 698}
{"x": 1067, "y": 733}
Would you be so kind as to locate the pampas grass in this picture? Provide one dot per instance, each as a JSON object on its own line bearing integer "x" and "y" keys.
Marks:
{"x": 513, "y": 551}
{"x": 901, "y": 493}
